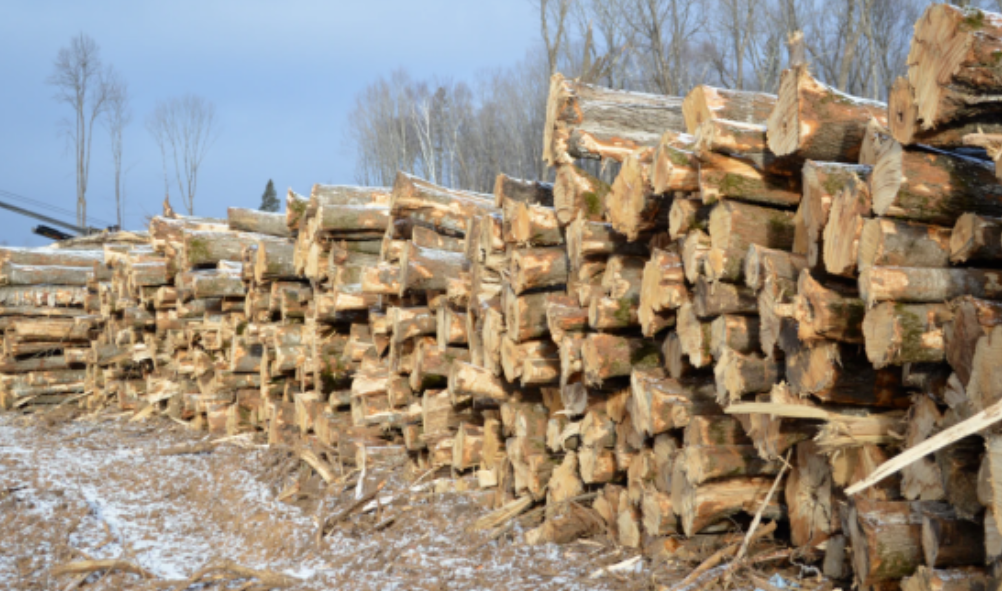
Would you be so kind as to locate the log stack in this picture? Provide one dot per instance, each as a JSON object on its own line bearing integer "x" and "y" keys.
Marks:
{"x": 776, "y": 295}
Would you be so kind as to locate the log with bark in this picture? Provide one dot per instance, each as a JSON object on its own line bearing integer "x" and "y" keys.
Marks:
{"x": 897, "y": 333}
{"x": 578, "y": 194}
{"x": 586, "y": 121}
{"x": 707, "y": 103}
{"x": 916, "y": 284}
{"x": 253, "y": 220}
{"x": 817, "y": 122}
{"x": 724, "y": 177}
{"x": 674, "y": 167}
{"x": 443, "y": 209}
{"x": 973, "y": 319}
{"x": 976, "y": 238}
{"x": 932, "y": 186}
{"x": 952, "y": 65}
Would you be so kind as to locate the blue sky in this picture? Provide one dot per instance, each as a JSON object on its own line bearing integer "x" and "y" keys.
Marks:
{"x": 283, "y": 77}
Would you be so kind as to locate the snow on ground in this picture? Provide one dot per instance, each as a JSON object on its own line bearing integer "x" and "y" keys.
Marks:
{"x": 71, "y": 490}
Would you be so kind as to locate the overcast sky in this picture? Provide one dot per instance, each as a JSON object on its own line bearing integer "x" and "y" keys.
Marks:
{"x": 283, "y": 77}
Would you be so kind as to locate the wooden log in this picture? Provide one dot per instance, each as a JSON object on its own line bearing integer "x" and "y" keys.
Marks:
{"x": 349, "y": 221}
{"x": 976, "y": 238}
{"x": 923, "y": 479}
{"x": 985, "y": 386}
{"x": 949, "y": 579}
{"x": 13, "y": 274}
{"x": 706, "y": 103}
{"x": 564, "y": 315}
{"x": 737, "y": 375}
{"x": 382, "y": 279}
{"x": 695, "y": 251}
{"x": 822, "y": 182}
{"x": 466, "y": 379}
{"x": 850, "y": 206}
{"x": 41, "y": 329}
{"x": 577, "y": 193}
{"x": 609, "y": 313}
{"x": 912, "y": 284}
{"x": 515, "y": 354}
{"x": 632, "y": 205}
{"x": 896, "y": 243}
{"x": 972, "y": 319}
{"x": 839, "y": 373}
{"x": 931, "y": 186}
{"x": 662, "y": 285}
{"x": 687, "y": 215}
{"x": 905, "y": 333}
{"x": 809, "y": 498}
{"x": 704, "y": 463}
{"x": 587, "y": 239}
{"x": 43, "y": 295}
{"x": 204, "y": 248}
{"x": 714, "y": 299}
{"x": 817, "y": 122}
{"x": 695, "y": 336}
{"x": 734, "y": 332}
{"x": 761, "y": 262}
{"x": 951, "y": 64}
{"x": 827, "y": 312}
{"x": 538, "y": 268}
{"x": 886, "y": 538}
{"x": 444, "y": 209}
{"x": 531, "y": 224}
{"x": 951, "y": 541}
{"x": 734, "y": 226}
{"x": 745, "y": 141}
{"x": 723, "y": 177}
{"x": 507, "y": 188}
{"x": 586, "y": 121}
{"x": 423, "y": 269}
{"x": 712, "y": 502}
{"x": 606, "y": 356}
{"x": 906, "y": 127}
{"x": 525, "y": 315}
{"x": 428, "y": 238}
{"x": 674, "y": 167}
{"x": 253, "y": 220}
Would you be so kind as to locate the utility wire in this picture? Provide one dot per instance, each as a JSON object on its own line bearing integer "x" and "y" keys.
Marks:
{"x": 52, "y": 208}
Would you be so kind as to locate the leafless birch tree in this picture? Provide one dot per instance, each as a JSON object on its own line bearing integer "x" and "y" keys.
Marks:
{"x": 117, "y": 118}
{"x": 184, "y": 129}
{"x": 81, "y": 82}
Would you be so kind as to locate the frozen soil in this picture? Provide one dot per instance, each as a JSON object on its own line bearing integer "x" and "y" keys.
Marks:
{"x": 74, "y": 488}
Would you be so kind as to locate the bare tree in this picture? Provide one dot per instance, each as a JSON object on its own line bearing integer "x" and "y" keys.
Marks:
{"x": 184, "y": 129}
{"x": 117, "y": 118}
{"x": 553, "y": 15}
{"x": 81, "y": 82}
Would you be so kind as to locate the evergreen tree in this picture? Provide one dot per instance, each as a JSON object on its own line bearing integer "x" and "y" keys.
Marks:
{"x": 269, "y": 201}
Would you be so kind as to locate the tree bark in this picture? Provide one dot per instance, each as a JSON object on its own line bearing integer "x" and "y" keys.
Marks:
{"x": 722, "y": 177}
{"x": 706, "y": 103}
{"x": 507, "y": 188}
{"x": 905, "y": 333}
{"x": 972, "y": 319}
{"x": 932, "y": 186}
{"x": 817, "y": 122}
{"x": 261, "y": 222}
{"x": 914, "y": 284}
{"x": 435, "y": 206}
{"x": 827, "y": 312}
{"x": 606, "y": 356}
{"x": 976, "y": 238}
{"x": 896, "y": 243}
{"x": 632, "y": 205}
{"x": 538, "y": 268}
{"x": 424, "y": 269}
{"x": 674, "y": 167}
{"x": 952, "y": 64}
{"x": 586, "y": 121}
{"x": 577, "y": 193}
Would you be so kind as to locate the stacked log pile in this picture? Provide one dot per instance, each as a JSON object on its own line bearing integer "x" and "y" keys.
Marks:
{"x": 777, "y": 296}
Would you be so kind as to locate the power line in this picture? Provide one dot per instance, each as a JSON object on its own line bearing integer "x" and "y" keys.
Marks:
{"x": 52, "y": 208}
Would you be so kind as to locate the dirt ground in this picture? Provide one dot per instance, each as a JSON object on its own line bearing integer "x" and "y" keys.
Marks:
{"x": 75, "y": 488}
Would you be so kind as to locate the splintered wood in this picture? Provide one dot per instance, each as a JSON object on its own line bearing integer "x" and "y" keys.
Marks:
{"x": 793, "y": 314}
